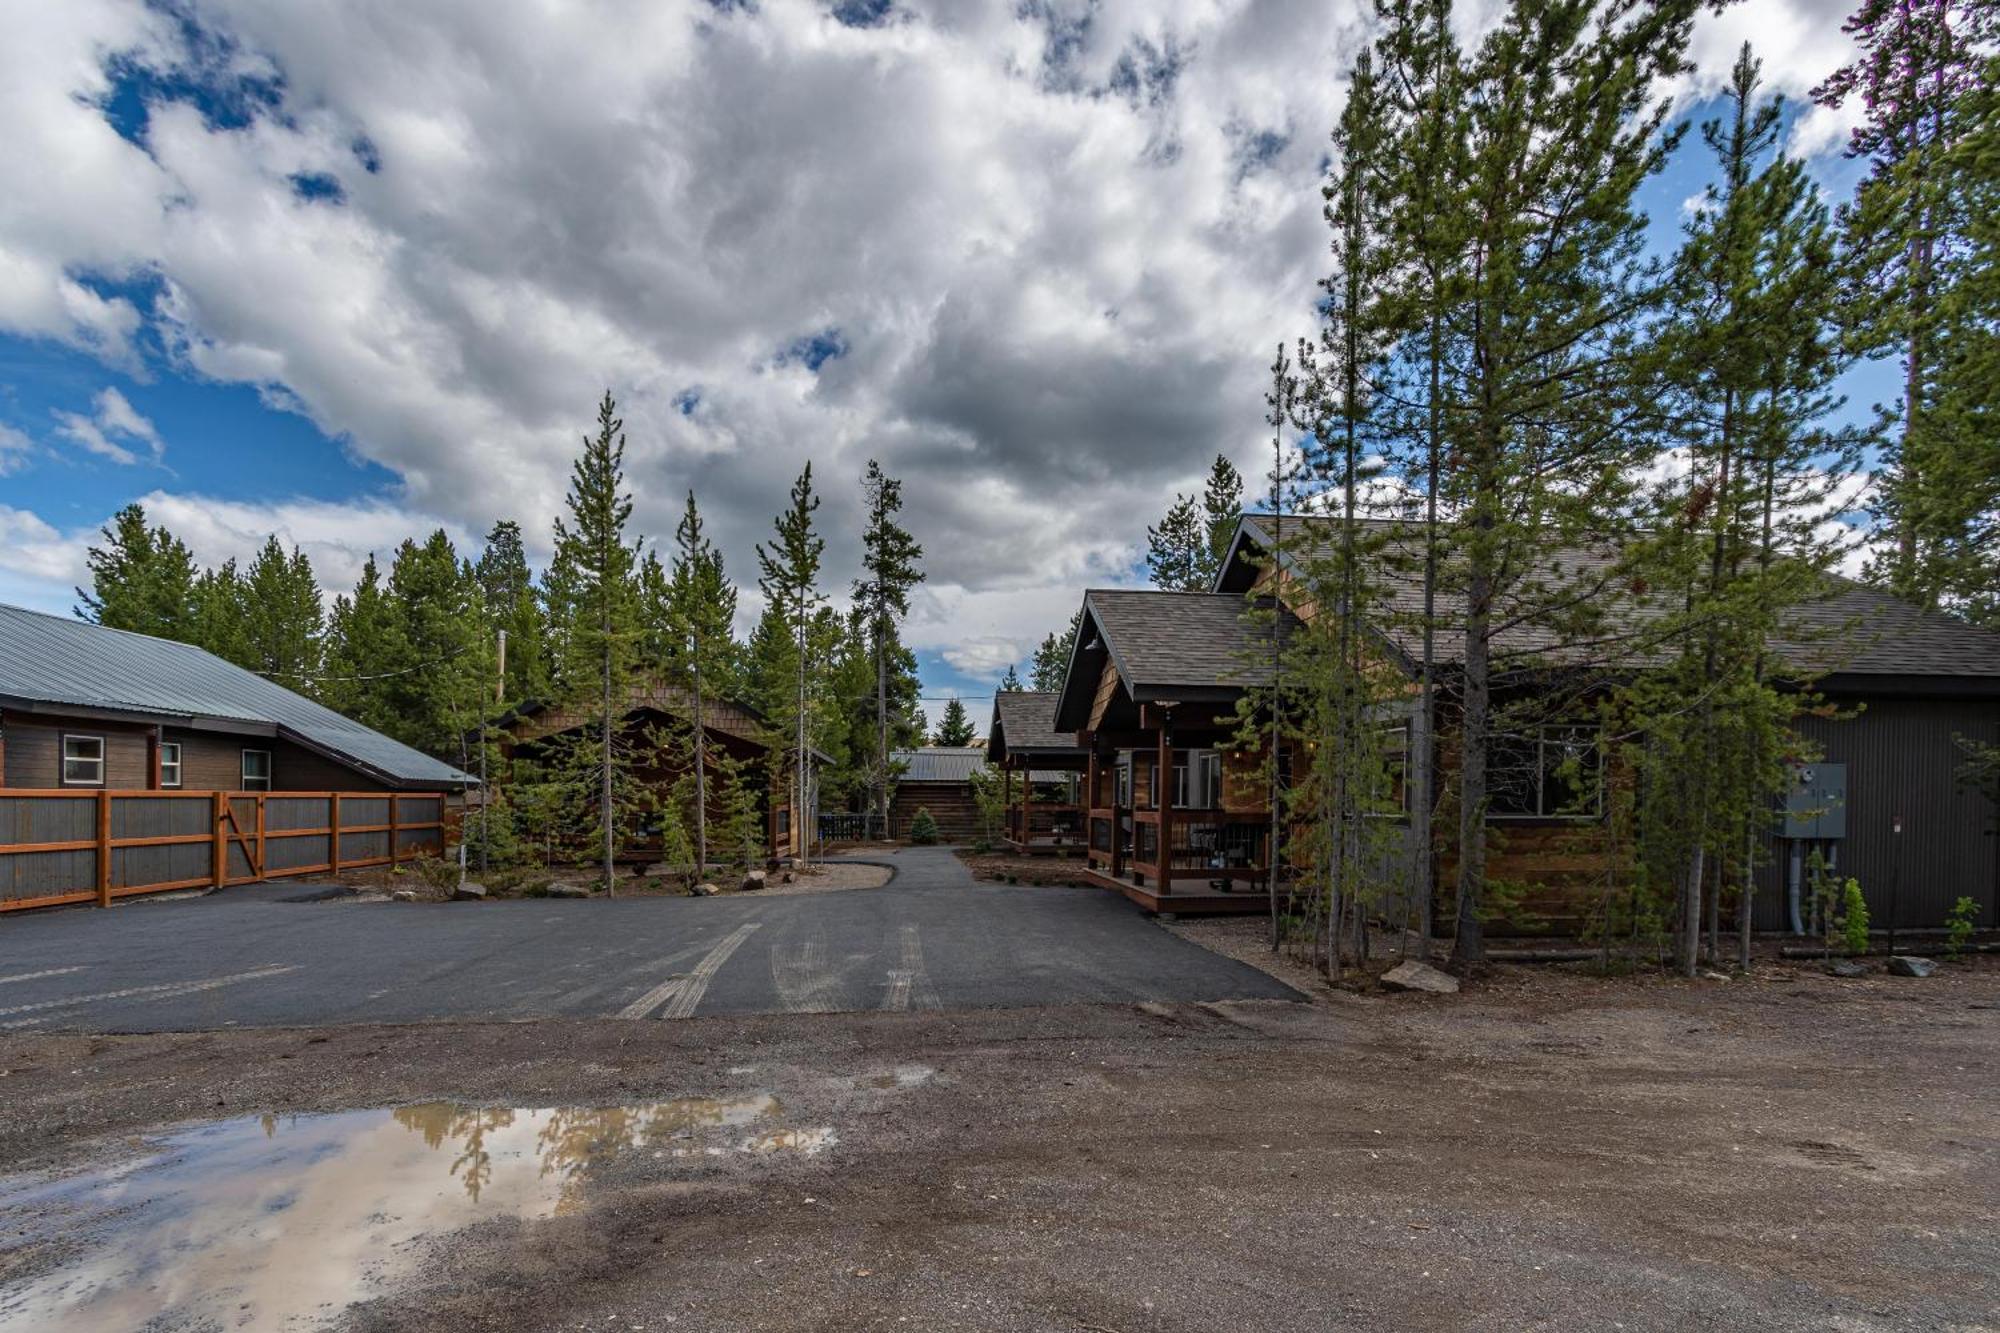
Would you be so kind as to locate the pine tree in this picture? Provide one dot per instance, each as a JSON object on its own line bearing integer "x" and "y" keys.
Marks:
{"x": 1748, "y": 358}
{"x": 221, "y": 615}
{"x": 1011, "y": 682}
{"x": 1421, "y": 94}
{"x": 1221, "y": 506}
{"x": 955, "y": 727}
{"x": 440, "y": 690}
{"x": 1906, "y": 235}
{"x": 593, "y": 605}
{"x": 142, "y": 579}
{"x": 889, "y": 563}
{"x": 1564, "y": 125}
{"x": 700, "y": 608}
{"x": 507, "y": 586}
{"x": 789, "y": 579}
{"x": 363, "y": 643}
{"x": 284, "y": 618}
{"x": 1176, "y": 548}
{"x": 1051, "y": 662}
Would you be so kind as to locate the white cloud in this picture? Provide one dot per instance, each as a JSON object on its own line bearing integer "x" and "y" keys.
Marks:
{"x": 337, "y": 537}
{"x": 1058, "y": 242}
{"x": 113, "y": 426}
{"x": 15, "y": 449}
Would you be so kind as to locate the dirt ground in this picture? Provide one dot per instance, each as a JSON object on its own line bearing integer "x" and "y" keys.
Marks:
{"x": 1542, "y": 1151}
{"x": 1000, "y": 867}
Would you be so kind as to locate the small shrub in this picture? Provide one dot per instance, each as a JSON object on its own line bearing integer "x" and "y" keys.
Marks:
{"x": 1958, "y": 925}
{"x": 436, "y": 872}
{"x": 923, "y": 828}
{"x": 1853, "y": 917}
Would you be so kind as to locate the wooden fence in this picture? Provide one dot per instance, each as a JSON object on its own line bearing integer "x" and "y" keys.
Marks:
{"x": 72, "y": 846}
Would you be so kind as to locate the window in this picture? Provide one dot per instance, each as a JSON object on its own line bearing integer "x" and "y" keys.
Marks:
{"x": 170, "y": 764}
{"x": 1394, "y": 798}
{"x": 1122, "y": 793}
{"x": 83, "y": 761}
{"x": 1552, "y": 772}
{"x": 256, "y": 770}
{"x": 1198, "y": 780}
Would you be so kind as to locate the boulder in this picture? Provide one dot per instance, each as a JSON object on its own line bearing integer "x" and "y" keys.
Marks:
{"x": 1715, "y": 976}
{"x": 1846, "y": 968}
{"x": 1902, "y": 965}
{"x": 403, "y": 896}
{"x": 1419, "y": 977}
{"x": 752, "y": 882}
{"x": 469, "y": 892}
{"x": 567, "y": 891}
{"x": 787, "y": 877}
{"x": 706, "y": 890}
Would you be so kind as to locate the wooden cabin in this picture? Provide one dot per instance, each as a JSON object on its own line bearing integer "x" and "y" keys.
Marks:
{"x": 1177, "y": 818}
{"x": 131, "y": 764}
{"x": 937, "y": 778}
{"x": 654, "y": 721}
{"x": 1041, "y": 774}
{"x": 1889, "y": 806}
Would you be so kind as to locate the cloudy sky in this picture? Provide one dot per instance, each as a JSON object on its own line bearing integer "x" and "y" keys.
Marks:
{"x": 349, "y": 271}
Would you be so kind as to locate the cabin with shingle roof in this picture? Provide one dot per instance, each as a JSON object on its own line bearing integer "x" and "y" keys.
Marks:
{"x": 1041, "y": 771}
{"x": 1175, "y": 820}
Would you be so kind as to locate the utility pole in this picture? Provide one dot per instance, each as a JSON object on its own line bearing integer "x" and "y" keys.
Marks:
{"x": 485, "y": 787}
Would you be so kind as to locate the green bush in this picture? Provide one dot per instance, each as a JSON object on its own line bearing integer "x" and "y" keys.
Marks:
{"x": 1853, "y": 917}
{"x": 923, "y": 828}
{"x": 1958, "y": 926}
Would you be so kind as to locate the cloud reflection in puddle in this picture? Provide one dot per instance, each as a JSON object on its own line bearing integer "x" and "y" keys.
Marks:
{"x": 266, "y": 1222}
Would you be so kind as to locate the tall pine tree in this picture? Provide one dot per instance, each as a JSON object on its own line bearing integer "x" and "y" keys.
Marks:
{"x": 890, "y": 569}
{"x": 789, "y": 568}
{"x": 593, "y": 606}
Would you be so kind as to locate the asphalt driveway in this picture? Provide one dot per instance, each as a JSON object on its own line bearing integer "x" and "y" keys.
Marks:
{"x": 934, "y": 938}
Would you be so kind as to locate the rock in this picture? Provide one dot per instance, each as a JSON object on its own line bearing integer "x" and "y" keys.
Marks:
{"x": 706, "y": 890}
{"x": 1419, "y": 976}
{"x": 567, "y": 891}
{"x": 403, "y": 896}
{"x": 1715, "y": 976}
{"x": 752, "y": 881}
{"x": 1847, "y": 968}
{"x": 787, "y": 877}
{"x": 1902, "y": 965}
{"x": 469, "y": 892}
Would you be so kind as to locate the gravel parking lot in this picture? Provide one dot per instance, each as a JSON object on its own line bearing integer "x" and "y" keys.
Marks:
{"x": 1543, "y": 1151}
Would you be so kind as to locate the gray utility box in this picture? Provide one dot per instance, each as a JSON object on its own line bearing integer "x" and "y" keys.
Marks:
{"x": 1816, "y": 805}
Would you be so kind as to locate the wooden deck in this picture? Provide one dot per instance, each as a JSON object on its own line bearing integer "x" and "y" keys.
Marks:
{"x": 1185, "y": 901}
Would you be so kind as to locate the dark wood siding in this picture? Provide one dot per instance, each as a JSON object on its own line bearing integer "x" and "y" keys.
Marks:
{"x": 1901, "y": 760}
{"x": 34, "y": 751}
{"x": 214, "y": 762}
{"x": 950, "y": 803}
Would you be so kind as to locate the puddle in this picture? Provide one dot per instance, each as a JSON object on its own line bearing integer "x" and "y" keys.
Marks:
{"x": 276, "y": 1223}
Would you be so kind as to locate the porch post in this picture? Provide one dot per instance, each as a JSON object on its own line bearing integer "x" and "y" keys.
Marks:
{"x": 1163, "y": 788}
{"x": 153, "y": 759}
{"x": 1090, "y": 801}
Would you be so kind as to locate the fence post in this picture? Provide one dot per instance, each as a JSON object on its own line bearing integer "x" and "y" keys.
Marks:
{"x": 219, "y": 870}
{"x": 333, "y": 843}
{"x": 258, "y": 869}
{"x": 104, "y": 849}
{"x": 395, "y": 813}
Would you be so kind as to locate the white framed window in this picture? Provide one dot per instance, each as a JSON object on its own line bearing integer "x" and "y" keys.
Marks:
{"x": 256, "y": 770}
{"x": 170, "y": 763}
{"x": 1198, "y": 780}
{"x": 1393, "y": 801}
{"x": 83, "y": 761}
{"x": 1549, "y": 772}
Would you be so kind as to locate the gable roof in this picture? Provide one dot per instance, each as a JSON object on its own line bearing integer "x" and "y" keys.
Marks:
{"x": 956, "y": 763}
{"x": 1024, "y": 723}
{"x": 1183, "y": 646}
{"x": 51, "y": 660}
{"x": 1850, "y": 631}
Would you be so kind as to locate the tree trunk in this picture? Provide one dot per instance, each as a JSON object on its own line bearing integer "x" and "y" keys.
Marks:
{"x": 881, "y": 728}
{"x": 805, "y": 779}
{"x": 700, "y": 775}
{"x": 1422, "y": 752}
{"x": 604, "y": 799}
{"x": 1470, "y": 944}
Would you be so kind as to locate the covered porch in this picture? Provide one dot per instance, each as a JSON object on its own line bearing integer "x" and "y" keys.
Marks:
{"x": 1041, "y": 775}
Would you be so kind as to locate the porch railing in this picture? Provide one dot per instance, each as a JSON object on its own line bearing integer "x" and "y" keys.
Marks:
{"x": 1045, "y": 824}
{"x": 1200, "y": 847}
{"x": 70, "y": 846}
